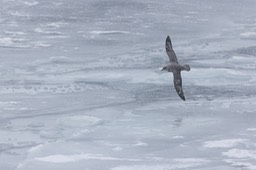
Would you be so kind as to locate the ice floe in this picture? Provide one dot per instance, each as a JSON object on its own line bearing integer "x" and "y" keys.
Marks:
{"x": 225, "y": 143}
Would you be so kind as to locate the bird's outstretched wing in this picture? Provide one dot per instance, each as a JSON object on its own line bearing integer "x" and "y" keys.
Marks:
{"x": 178, "y": 84}
{"x": 171, "y": 54}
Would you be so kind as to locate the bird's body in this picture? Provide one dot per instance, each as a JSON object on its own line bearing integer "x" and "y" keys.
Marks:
{"x": 175, "y": 68}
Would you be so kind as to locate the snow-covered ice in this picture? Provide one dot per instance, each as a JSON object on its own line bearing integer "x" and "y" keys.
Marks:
{"x": 81, "y": 88}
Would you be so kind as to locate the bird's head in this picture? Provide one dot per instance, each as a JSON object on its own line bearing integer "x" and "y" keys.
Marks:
{"x": 164, "y": 69}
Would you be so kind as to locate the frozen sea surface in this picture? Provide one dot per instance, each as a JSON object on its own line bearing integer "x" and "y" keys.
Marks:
{"x": 81, "y": 88}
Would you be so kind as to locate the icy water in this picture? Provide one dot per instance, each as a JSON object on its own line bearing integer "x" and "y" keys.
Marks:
{"x": 81, "y": 87}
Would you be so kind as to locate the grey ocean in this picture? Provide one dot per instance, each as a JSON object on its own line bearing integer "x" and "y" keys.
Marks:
{"x": 81, "y": 86}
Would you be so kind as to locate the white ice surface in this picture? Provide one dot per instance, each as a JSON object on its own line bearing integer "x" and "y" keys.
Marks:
{"x": 226, "y": 143}
{"x": 81, "y": 86}
{"x": 240, "y": 153}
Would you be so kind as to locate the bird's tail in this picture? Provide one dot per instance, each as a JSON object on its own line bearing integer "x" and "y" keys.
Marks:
{"x": 186, "y": 67}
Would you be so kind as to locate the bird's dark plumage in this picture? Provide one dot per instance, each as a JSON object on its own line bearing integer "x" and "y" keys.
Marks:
{"x": 175, "y": 68}
{"x": 171, "y": 54}
{"x": 177, "y": 81}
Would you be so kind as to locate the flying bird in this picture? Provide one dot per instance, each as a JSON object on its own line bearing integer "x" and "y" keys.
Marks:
{"x": 175, "y": 68}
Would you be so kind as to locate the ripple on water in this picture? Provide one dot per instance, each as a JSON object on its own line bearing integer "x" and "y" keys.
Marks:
{"x": 55, "y": 89}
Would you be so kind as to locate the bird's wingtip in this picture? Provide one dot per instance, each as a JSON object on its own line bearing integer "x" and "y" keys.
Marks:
{"x": 183, "y": 98}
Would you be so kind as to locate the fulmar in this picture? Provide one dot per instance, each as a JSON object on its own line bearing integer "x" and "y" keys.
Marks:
{"x": 175, "y": 68}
